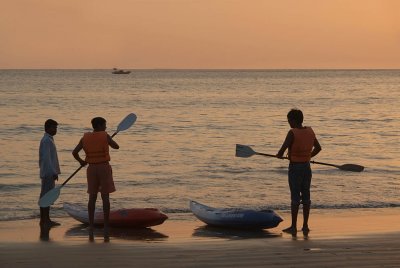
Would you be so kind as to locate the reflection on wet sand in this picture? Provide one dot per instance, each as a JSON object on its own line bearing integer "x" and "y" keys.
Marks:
{"x": 231, "y": 233}
{"x": 296, "y": 237}
{"x": 145, "y": 234}
{"x": 45, "y": 232}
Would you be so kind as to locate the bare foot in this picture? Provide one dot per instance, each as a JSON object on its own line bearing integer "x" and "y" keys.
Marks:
{"x": 54, "y": 223}
{"x": 91, "y": 234}
{"x": 290, "y": 230}
{"x": 106, "y": 235}
{"x": 106, "y": 239}
{"x": 305, "y": 231}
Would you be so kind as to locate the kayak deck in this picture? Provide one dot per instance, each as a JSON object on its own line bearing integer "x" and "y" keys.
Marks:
{"x": 134, "y": 217}
{"x": 235, "y": 217}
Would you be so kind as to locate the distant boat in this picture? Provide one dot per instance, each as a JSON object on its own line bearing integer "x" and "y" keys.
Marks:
{"x": 120, "y": 71}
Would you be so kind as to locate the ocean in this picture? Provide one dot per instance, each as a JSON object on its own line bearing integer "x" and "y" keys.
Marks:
{"x": 182, "y": 146}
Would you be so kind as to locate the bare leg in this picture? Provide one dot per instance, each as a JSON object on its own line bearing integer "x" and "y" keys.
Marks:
{"x": 42, "y": 218}
{"x": 294, "y": 208}
{"x": 91, "y": 209}
{"x": 106, "y": 211}
{"x": 45, "y": 215}
{"x": 45, "y": 232}
{"x": 306, "y": 214}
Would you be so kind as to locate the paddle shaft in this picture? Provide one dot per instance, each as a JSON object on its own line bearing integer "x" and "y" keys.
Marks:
{"x": 314, "y": 162}
{"x": 346, "y": 167}
{"x": 70, "y": 177}
{"x": 326, "y": 164}
{"x": 270, "y": 155}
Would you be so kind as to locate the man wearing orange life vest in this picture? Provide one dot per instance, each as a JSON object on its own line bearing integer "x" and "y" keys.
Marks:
{"x": 302, "y": 144}
{"x": 99, "y": 172}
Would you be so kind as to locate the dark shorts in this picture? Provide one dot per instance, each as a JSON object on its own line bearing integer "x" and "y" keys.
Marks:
{"x": 100, "y": 178}
{"x": 47, "y": 185}
{"x": 299, "y": 182}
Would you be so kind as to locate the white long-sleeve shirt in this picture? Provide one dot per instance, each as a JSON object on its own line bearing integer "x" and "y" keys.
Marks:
{"x": 48, "y": 159}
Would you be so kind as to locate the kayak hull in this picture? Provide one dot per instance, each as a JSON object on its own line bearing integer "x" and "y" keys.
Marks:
{"x": 235, "y": 217}
{"x": 134, "y": 217}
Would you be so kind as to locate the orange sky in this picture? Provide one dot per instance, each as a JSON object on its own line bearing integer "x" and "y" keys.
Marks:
{"x": 200, "y": 34}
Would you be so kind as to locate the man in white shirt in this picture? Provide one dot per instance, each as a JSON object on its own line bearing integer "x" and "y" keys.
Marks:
{"x": 49, "y": 167}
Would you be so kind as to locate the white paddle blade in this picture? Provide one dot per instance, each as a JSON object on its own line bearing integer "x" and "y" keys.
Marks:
{"x": 244, "y": 151}
{"x": 50, "y": 197}
{"x": 128, "y": 121}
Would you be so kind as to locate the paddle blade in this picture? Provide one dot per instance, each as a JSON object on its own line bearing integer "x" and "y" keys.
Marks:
{"x": 244, "y": 151}
{"x": 127, "y": 122}
{"x": 50, "y": 197}
{"x": 351, "y": 167}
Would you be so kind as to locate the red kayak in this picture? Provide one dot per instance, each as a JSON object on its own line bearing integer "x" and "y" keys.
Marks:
{"x": 133, "y": 217}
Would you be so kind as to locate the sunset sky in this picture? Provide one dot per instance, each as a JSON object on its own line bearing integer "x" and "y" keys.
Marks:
{"x": 198, "y": 34}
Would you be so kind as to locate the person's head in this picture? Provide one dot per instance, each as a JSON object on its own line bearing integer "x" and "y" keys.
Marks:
{"x": 295, "y": 117}
{"x": 50, "y": 127}
{"x": 99, "y": 123}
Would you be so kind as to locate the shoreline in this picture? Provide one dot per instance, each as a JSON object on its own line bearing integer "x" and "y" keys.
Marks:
{"x": 367, "y": 237}
{"x": 185, "y": 227}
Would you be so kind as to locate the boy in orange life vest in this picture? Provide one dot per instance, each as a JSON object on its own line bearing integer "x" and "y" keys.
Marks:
{"x": 302, "y": 144}
{"x": 99, "y": 172}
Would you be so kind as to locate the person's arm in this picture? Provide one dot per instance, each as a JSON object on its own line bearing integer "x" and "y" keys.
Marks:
{"x": 76, "y": 151}
{"x": 112, "y": 143}
{"x": 316, "y": 149}
{"x": 286, "y": 144}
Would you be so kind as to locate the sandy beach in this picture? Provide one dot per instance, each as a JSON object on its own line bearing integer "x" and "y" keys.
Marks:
{"x": 341, "y": 238}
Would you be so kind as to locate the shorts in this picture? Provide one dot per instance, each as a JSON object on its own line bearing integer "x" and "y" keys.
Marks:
{"x": 48, "y": 183}
{"x": 299, "y": 182}
{"x": 100, "y": 179}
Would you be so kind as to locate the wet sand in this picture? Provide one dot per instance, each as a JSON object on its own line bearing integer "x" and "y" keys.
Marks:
{"x": 338, "y": 238}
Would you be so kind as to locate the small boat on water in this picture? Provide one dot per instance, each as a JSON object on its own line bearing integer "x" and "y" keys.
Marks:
{"x": 133, "y": 217}
{"x": 120, "y": 71}
{"x": 235, "y": 217}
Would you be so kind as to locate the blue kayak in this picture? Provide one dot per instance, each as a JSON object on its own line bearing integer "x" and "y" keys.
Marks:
{"x": 235, "y": 217}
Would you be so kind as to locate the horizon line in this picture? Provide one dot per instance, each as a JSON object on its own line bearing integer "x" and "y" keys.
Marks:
{"x": 213, "y": 69}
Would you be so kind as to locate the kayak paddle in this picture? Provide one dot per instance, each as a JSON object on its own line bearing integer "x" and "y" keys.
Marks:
{"x": 247, "y": 151}
{"x": 51, "y": 196}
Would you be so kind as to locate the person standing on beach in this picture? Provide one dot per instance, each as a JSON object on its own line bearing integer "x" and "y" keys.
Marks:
{"x": 302, "y": 145}
{"x": 49, "y": 167}
{"x": 99, "y": 172}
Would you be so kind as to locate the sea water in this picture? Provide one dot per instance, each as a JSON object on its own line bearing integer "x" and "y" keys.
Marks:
{"x": 182, "y": 146}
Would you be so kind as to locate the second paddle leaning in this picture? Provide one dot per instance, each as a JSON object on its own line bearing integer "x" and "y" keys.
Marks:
{"x": 51, "y": 196}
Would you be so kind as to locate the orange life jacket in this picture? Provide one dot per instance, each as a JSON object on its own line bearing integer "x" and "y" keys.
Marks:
{"x": 95, "y": 145}
{"x": 303, "y": 143}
